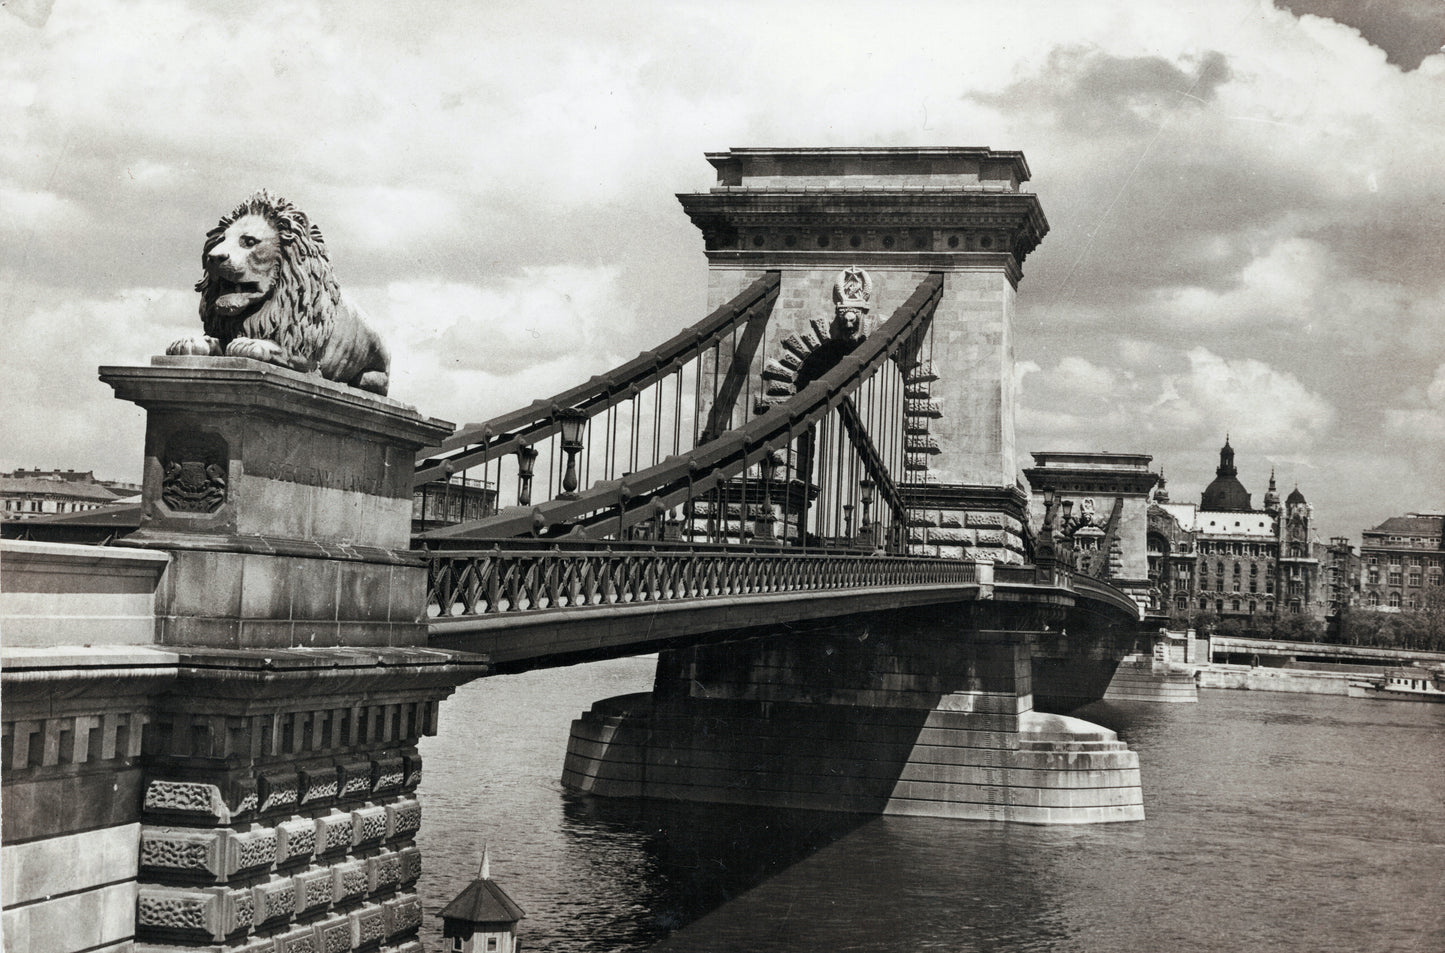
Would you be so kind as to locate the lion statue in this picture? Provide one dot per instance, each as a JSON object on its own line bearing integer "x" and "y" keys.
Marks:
{"x": 268, "y": 293}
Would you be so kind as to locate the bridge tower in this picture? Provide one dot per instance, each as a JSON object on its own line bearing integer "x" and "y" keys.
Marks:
{"x": 920, "y": 712}
{"x": 899, "y": 214}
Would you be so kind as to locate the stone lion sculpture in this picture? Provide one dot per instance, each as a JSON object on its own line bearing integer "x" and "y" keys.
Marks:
{"x": 268, "y": 293}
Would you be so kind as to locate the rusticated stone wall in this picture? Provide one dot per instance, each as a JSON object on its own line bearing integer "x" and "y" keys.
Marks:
{"x": 279, "y": 808}
{"x": 202, "y": 800}
{"x": 73, "y": 776}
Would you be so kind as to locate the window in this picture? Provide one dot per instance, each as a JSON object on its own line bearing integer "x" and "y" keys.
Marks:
{"x": 1181, "y": 603}
{"x": 1251, "y": 607}
{"x": 457, "y": 944}
{"x": 491, "y": 943}
{"x": 1294, "y": 607}
{"x": 1203, "y": 605}
{"x": 1374, "y": 598}
{"x": 1414, "y": 577}
{"x": 1219, "y": 605}
{"x": 1394, "y": 576}
{"x": 1219, "y": 567}
{"x": 1394, "y": 600}
{"x": 1236, "y": 586}
{"x": 1374, "y": 576}
{"x": 1234, "y": 605}
{"x": 1219, "y": 585}
{"x": 1269, "y": 587}
{"x": 1254, "y": 585}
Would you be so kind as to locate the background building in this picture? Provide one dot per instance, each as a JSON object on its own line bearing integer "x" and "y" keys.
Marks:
{"x": 28, "y": 494}
{"x": 1225, "y": 557}
{"x": 1401, "y": 559}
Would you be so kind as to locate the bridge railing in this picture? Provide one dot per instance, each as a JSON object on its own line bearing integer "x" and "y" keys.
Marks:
{"x": 1054, "y": 576}
{"x": 505, "y": 579}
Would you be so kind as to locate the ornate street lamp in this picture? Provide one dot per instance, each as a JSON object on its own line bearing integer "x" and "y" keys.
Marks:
{"x": 763, "y": 527}
{"x": 1044, "y": 545}
{"x": 526, "y": 462}
{"x": 848, "y": 522}
{"x": 572, "y": 421}
{"x": 865, "y": 496}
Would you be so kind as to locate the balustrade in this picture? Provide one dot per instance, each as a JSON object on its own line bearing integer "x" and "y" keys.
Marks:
{"x": 502, "y": 580}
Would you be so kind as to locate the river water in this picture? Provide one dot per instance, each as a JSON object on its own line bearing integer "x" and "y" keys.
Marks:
{"x": 1275, "y": 822}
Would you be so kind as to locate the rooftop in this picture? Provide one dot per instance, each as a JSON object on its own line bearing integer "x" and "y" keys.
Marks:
{"x": 1411, "y": 524}
{"x": 975, "y": 167}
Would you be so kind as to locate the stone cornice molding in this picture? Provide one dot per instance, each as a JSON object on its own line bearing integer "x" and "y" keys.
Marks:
{"x": 202, "y": 385}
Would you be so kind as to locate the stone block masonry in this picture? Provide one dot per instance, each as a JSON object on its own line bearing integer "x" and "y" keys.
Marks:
{"x": 901, "y": 214}
{"x": 210, "y": 730}
{"x": 932, "y": 716}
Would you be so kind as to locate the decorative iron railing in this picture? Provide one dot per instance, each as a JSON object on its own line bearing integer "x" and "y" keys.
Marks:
{"x": 504, "y": 580}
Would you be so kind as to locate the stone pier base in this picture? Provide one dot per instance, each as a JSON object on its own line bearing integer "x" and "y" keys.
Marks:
{"x": 880, "y": 720}
{"x": 1142, "y": 678}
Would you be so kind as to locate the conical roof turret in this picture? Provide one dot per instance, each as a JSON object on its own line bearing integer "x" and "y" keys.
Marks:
{"x": 1271, "y": 496}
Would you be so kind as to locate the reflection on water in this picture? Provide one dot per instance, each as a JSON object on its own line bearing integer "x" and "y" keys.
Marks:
{"x": 1278, "y": 822}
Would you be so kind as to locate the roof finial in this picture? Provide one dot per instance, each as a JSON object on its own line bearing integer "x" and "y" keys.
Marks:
{"x": 485, "y": 872}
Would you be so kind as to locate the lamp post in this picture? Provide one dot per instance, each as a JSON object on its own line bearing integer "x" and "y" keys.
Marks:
{"x": 572, "y": 421}
{"x": 1044, "y": 545}
{"x": 865, "y": 496}
{"x": 767, "y": 467}
{"x": 526, "y": 463}
{"x": 848, "y": 522}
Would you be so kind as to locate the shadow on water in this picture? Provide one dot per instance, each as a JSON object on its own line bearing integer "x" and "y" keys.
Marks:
{"x": 693, "y": 858}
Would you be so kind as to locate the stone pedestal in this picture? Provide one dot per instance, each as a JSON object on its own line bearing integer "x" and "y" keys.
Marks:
{"x": 929, "y": 716}
{"x": 285, "y": 502}
{"x": 241, "y": 774}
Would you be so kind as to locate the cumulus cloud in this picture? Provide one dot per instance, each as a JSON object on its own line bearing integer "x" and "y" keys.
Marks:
{"x": 1239, "y": 195}
{"x": 1265, "y": 406}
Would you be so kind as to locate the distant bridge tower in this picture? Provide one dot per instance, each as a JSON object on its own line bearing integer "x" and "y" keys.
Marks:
{"x": 898, "y": 214}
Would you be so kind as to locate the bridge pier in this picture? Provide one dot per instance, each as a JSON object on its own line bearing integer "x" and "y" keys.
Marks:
{"x": 214, "y": 723}
{"x": 930, "y": 714}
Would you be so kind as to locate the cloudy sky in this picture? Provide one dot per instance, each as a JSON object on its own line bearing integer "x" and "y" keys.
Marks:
{"x": 1247, "y": 201}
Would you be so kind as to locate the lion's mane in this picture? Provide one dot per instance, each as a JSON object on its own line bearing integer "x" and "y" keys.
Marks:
{"x": 304, "y": 313}
{"x": 305, "y": 299}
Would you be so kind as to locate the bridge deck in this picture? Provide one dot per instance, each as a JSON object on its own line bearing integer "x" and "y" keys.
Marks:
{"x": 529, "y": 607}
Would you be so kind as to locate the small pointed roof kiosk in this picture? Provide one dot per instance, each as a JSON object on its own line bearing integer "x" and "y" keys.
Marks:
{"x": 482, "y": 918}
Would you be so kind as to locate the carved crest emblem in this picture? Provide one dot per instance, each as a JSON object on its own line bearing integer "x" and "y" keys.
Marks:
{"x": 852, "y": 299}
{"x": 193, "y": 474}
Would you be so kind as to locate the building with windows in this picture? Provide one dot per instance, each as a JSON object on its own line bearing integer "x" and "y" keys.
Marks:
{"x": 1226, "y": 557}
{"x": 1401, "y": 559}
{"x": 1342, "y": 575}
{"x": 28, "y": 494}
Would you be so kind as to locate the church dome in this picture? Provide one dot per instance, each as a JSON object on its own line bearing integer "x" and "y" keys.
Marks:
{"x": 1295, "y": 496}
{"x": 1225, "y": 494}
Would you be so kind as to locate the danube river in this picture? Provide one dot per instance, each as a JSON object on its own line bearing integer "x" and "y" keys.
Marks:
{"x": 1275, "y": 822}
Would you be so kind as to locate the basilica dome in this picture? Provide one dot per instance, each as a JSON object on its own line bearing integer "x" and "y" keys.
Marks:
{"x": 1225, "y": 494}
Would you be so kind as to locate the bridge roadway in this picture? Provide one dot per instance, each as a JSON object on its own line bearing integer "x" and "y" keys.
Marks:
{"x": 1318, "y": 651}
{"x": 540, "y": 606}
